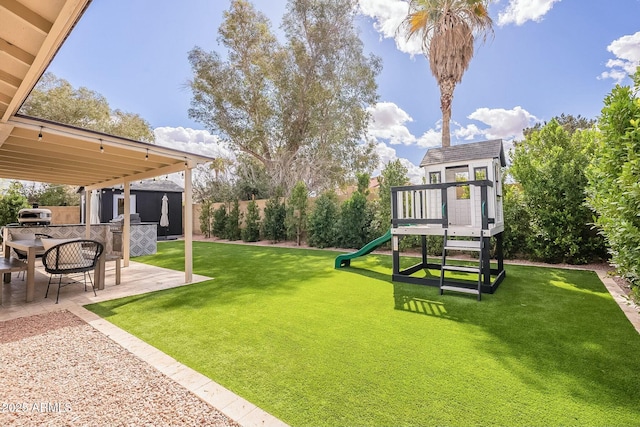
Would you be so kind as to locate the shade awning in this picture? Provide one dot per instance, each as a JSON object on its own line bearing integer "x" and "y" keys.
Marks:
{"x": 31, "y": 32}
{"x": 38, "y": 150}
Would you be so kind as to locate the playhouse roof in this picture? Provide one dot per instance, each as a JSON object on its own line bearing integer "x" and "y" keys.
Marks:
{"x": 463, "y": 152}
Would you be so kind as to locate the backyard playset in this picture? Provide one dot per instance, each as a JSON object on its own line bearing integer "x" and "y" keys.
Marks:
{"x": 462, "y": 202}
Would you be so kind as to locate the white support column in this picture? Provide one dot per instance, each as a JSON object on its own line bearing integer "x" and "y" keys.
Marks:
{"x": 188, "y": 227}
{"x": 87, "y": 215}
{"x": 126, "y": 225}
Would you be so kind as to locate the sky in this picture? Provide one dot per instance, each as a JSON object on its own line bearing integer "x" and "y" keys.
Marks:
{"x": 545, "y": 58}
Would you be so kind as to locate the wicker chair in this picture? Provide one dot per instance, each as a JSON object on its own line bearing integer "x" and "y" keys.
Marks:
{"x": 22, "y": 255}
{"x": 71, "y": 258}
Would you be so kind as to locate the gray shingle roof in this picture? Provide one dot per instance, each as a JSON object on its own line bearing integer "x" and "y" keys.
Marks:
{"x": 463, "y": 152}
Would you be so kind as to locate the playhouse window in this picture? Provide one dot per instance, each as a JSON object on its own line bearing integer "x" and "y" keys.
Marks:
{"x": 480, "y": 173}
{"x": 434, "y": 177}
{"x": 462, "y": 192}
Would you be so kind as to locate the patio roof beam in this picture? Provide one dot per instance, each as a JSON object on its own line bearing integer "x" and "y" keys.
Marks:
{"x": 178, "y": 167}
{"x": 55, "y": 36}
{"x": 69, "y": 156}
{"x": 28, "y": 16}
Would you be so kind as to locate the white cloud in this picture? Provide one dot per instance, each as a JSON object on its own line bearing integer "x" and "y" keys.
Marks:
{"x": 468, "y": 132}
{"x": 385, "y": 153}
{"x": 431, "y": 138}
{"x": 520, "y": 11}
{"x": 387, "y": 16}
{"x": 387, "y": 122}
{"x": 627, "y": 52}
{"x": 192, "y": 141}
{"x": 388, "y": 154}
{"x": 504, "y": 124}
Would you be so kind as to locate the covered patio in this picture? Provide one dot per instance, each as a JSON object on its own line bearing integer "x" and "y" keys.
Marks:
{"x": 33, "y": 149}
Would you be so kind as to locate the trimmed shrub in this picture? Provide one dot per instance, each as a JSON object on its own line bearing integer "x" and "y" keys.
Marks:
{"x": 251, "y": 231}
{"x": 296, "y": 220}
{"x": 220, "y": 222}
{"x": 355, "y": 222}
{"x": 206, "y": 217}
{"x": 273, "y": 224}
{"x": 517, "y": 228}
{"x": 323, "y": 220}
{"x": 233, "y": 231}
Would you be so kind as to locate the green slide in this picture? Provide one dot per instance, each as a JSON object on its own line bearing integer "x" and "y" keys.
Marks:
{"x": 344, "y": 260}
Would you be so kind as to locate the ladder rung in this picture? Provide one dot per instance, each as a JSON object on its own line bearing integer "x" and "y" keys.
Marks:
{"x": 461, "y": 268}
{"x": 463, "y": 245}
{"x": 459, "y": 289}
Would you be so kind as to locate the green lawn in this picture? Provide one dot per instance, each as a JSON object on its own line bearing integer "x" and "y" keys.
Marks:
{"x": 318, "y": 346}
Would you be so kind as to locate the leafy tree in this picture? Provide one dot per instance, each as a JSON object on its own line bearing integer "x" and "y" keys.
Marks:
{"x": 252, "y": 180}
{"x": 299, "y": 108}
{"x": 214, "y": 182}
{"x": 394, "y": 174}
{"x": 298, "y": 204}
{"x": 323, "y": 220}
{"x": 273, "y": 224}
{"x": 355, "y": 222}
{"x": 364, "y": 180}
{"x": 233, "y": 231}
{"x": 55, "y": 195}
{"x": 614, "y": 178}
{"x": 517, "y": 223}
{"x": 206, "y": 217}
{"x": 448, "y": 29}
{"x": 219, "y": 222}
{"x": 356, "y": 215}
{"x": 11, "y": 201}
{"x": 569, "y": 122}
{"x": 56, "y": 100}
{"x": 251, "y": 231}
{"x": 550, "y": 165}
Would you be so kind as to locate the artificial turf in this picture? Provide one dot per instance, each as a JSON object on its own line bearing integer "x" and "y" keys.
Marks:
{"x": 324, "y": 347}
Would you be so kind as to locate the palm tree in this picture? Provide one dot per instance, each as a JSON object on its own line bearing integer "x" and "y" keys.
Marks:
{"x": 448, "y": 29}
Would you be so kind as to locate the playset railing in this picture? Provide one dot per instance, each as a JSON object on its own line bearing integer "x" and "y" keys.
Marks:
{"x": 414, "y": 205}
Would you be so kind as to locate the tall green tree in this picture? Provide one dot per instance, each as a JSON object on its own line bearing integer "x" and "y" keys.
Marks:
{"x": 206, "y": 217}
{"x": 356, "y": 215}
{"x": 614, "y": 178}
{"x": 550, "y": 166}
{"x": 448, "y": 29}
{"x": 233, "y": 231}
{"x": 323, "y": 221}
{"x": 251, "y": 230}
{"x": 568, "y": 122}
{"x": 394, "y": 174}
{"x": 299, "y": 107}
{"x": 11, "y": 201}
{"x": 274, "y": 222}
{"x": 55, "y": 195}
{"x": 57, "y": 100}
{"x": 298, "y": 204}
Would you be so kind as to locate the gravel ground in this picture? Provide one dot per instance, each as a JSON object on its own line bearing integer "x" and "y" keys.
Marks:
{"x": 57, "y": 370}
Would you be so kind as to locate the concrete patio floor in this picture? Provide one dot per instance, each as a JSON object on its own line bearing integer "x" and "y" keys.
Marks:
{"x": 137, "y": 279}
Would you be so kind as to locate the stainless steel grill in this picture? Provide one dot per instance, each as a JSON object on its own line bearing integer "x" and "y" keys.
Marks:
{"x": 34, "y": 216}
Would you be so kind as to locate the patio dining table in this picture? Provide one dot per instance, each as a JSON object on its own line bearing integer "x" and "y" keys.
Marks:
{"x": 35, "y": 247}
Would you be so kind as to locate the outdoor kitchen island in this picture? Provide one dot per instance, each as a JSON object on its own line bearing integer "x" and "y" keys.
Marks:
{"x": 143, "y": 237}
